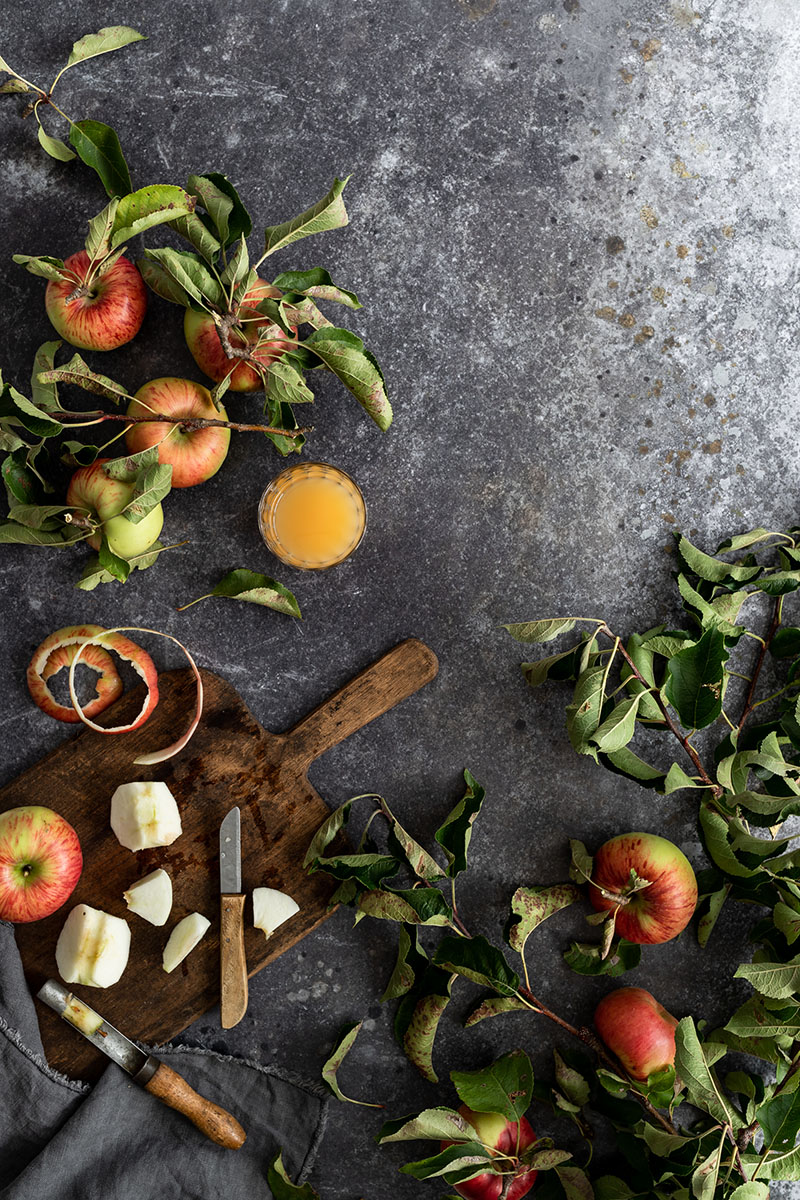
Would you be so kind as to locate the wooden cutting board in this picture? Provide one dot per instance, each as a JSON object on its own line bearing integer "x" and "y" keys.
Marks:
{"x": 231, "y": 760}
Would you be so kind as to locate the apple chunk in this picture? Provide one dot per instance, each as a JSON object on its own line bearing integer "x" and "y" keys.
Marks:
{"x": 183, "y": 939}
{"x": 93, "y": 947}
{"x": 271, "y": 908}
{"x": 144, "y": 815}
{"x": 151, "y": 897}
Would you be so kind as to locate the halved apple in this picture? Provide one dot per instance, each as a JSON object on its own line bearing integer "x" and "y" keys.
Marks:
{"x": 183, "y": 939}
{"x": 93, "y": 947}
{"x": 144, "y": 815}
{"x": 151, "y": 897}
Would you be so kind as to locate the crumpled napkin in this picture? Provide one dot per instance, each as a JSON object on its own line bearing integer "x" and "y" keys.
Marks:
{"x": 63, "y": 1140}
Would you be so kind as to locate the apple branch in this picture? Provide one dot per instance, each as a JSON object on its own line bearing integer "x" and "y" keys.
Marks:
{"x": 186, "y": 423}
{"x": 762, "y": 654}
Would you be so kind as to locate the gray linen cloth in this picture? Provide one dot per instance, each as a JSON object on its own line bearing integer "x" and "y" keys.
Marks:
{"x": 63, "y": 1140}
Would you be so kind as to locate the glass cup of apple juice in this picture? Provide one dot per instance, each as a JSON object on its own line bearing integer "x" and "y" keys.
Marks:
{"x": 312, "y": 516}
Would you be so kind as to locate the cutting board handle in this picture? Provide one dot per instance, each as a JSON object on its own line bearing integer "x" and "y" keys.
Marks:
{"x": 395, "y": 677}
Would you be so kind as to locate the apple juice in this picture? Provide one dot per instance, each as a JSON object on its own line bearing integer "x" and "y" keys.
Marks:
{"x": 312, "y": 515}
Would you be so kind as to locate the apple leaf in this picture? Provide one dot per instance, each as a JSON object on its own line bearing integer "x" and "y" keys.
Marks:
{"x": 281, "y": 1186}
{"x": 478, "y": 960}
{"x": 692, "y": 1067}
{"x": 217, "y": 204}
{"x": 238, "y": 265}
{"x": 78, "y": 373}
{"x": 505, "y": 1086}
{"x": 316, "y": 282}
{"x": 13, "y": 86}
{"x": 344, "y": 354}
{"x": 341, "y": 1049}
{"x": 402, "y": 844}
{"x": 164, "y": 284}
{"x": 327, "y": 831}
{"x": 583, "y": 714}
{"x": 43, "y": 265}
{"x": 540, "y": 631}
{"x": 367, "y": 869}
{"x": 285, "y": 384}
{"x": 192, "y": 228}
{"x": 44, "y": 395}
{"x": 712, "y": 569}
{"x": 152, "y": 205}
{"x": 327, "y": 213}
{"x": 98, "y": 239}
{"x": 54, "y": 146}
{"x": 111, "y": 37}
{"x": 93, "y": 575}
{"x": 776, "y": 981}
{"x": 257, "y": 589}
{"x": 281, "y": 416}
{"x": 411, "y": 959}
{"x": 494, "y": 1006}
{"x": 37, "y": 516}
{"x": 455, "y": 832}
{"x": 98, "y": 146}
{"x": 432, "y": 1124}
{"x": 128, "y": 466}
{"x": 239, "y": 223}
{"x": 22, "y": 535}
{"x": 191, "y": 274}
{"x": 20, "y": 482}
{"x": 619, "y": 726}
{"x": 418, "y": 1016}
{"x": 412, "y": 906}
{"x": 586, "y": 959}
{"x": 18, "y": 410}
{"x": 695, "y": 679}
{"x": 78, "y": 454}
{"x": 457, "y": 1163}
{"x": 532, "y": 905}
{"x": 152, "y": 485}
{"x": 112, "y": 564}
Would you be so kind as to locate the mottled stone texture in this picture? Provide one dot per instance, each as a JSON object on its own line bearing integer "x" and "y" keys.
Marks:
{"x": 573, "y": 228}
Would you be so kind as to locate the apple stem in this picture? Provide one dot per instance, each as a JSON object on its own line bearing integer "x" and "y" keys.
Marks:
{"x": 187, "y": 423}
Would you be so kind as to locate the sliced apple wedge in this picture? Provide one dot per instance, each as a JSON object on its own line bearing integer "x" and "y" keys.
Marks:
{"x": 271, "y": 908}
{"x": 144, "y": 815}
{"x": 183, "y": 939}
{"x": 151, "y": 897}
{"x": 93, "y": 947}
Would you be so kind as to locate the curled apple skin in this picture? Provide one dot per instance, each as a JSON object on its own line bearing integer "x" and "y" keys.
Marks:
{"x": 40, "y": 862}
{"x": 56, "y": 653}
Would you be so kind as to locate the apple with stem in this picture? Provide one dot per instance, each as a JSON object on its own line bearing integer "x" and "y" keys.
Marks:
{"x": 40, "y": 862}
{"x": 94, "y": 489}
{"x": 194, "y": 454}
{"x": 242, "y": 328}
{"x": 97, "y": 307}
{"x": 505, "y": 1139}
{"x": 648, "y": 883}
{"x": 638, "y": 1030}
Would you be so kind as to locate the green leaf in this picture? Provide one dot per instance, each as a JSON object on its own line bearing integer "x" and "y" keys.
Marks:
{"x": 152, "y": 485}
{"x": 702, "y": 1088}
{"x": 776, "y": 981}
{"x": 418, "y": 1018}
{"x": 98, "y": 146}
{"x": 531, "y": 906}
{"x": 780, "y": 583}
{"x": 286, "y": 385}
{"x": 538, "y": 671}
{"x": 742, "y": 541}
{"x": 780, "y": 1166}
{"x": 785, "y": 642}
{"x": 458, "y": 1163}
{"x": 326, "y": 833}
{"x": 237, "y": 218}
{"x": 409, "y": 959}
{"x": 505, "y": 1086}
{"x": 345, "y": 354}
{"x": 619, "y": 726}
{"x": 494, "y": 1006}
{"x": 54, "y": 146}
{"x": 540, "y": 631}
{"x": 716, "y": 832}
{"x": 432, "y": 1124}
{"x": 21, "y": 535}
{"x": 455, "y": 832}
{"x": 328, "y": 213}
{"x": 93, "y": 575}
{"x": 787, "y": 920}
{"x": 575, "y": 1183}
{"x": 242, "y": 584}
{"x": 160, "y": 281}
{"x": 780, "y": 1121}
{"x": 42, "y": 265}
{"x": 625, "y": 762}
{"x": 695, "y": 678}
{"x": 98, "y": 239}
{"x": 712, "y": 569}
{"x": 753, "y": 1190}
{"x": 316, "y": 282}
{"x": 478, "y": 960}
{"x": 401, "y": 843}
{"x": 583, "y": 714}
{"x": 238, "y": 265}
{"x": 413, "y": 906}
{"x": 581, "y": 862}
{"x": 677, "y": 779}
{"x": 714, "y": 904}
{"x": 192, "y": 228}
{"x": 281, "y": 1186}
{"x": 20, "y": 482}
{"x": 570, "y": 1082}
{"x": 190, "y": 274}
{"x": 152, "y": 205}
{"x": 585, "y": 959}
{"x": 706, "y": 1175}
{"x": 78, "y": 373}
{"x": 36, "y": 516}
{"x": 128, "y": 467}
{"x": 13, "y": 86}
{"x": 112, "y": 564}
{"x": 342, "y": 1047}
{"x": 368, "y": 869}
{"x": 19, "y": 409}
{"x": 112, "y": 37}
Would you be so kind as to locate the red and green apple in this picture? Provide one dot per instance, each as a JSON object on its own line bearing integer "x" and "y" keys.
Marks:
{"x": 501, "y": 1137}
{"x": 645, "y": 914}
{"x": 194, "y": 454}
{"x": 638, "y": 1030}
{"x": 102, "y": 311}
{"x": 40, "y": 862}
{"x": 203, "y": 340}
{"x": 105, "y": 498}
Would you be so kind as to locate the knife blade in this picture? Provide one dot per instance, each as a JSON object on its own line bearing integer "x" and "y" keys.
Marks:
{"x": 232, "y": 962}
{"x": 145, "y": 1069}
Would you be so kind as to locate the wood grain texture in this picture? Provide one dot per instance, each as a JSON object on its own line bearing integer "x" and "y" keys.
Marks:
{"x": 231, "y": 760}
{"x": 232, "y": 961}
{"x": 215, "y": 1122}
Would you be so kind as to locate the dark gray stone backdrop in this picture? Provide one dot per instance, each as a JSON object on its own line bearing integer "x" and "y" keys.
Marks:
{"x": 573, "y": 228}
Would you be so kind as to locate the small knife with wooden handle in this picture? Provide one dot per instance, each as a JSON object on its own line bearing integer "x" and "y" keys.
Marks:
{"x": 148, "y": 1071}
{"x": 232, "y": 962}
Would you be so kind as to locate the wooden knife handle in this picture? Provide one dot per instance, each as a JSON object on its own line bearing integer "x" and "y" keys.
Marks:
{"x": 232, "y": 962}
{"x": 215, "y": 1122}
{"x": 395, "y": 677}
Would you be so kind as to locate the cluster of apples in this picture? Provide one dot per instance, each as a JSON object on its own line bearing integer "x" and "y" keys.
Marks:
{"x": 40, "y": 864}
{"x": 633, "y": 1025}
{"x": 106, "y": 313}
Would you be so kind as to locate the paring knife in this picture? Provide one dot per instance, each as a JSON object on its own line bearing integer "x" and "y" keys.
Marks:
{"x": 149, "y": 1072}
{"x": 232, "y": 962}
